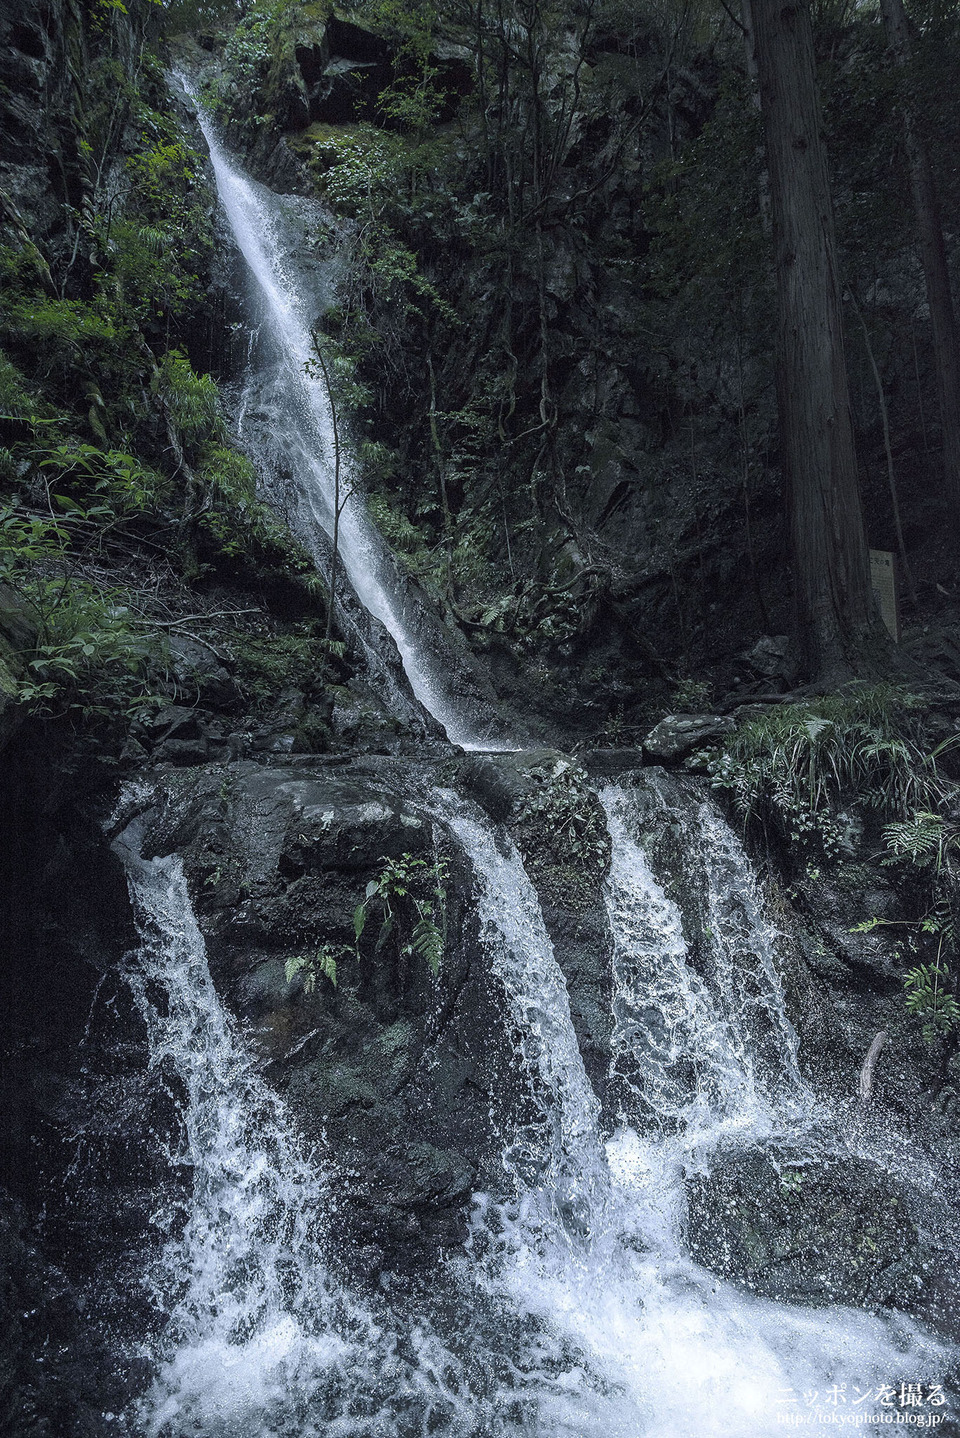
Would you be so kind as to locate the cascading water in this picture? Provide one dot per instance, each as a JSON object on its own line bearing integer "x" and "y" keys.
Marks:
{"x": 233, "y": 1343}
{"x": 258, "y": 1338}
{"x": 564, "y": 1152}
{"x": 298, "y": 439}
{"x": 646, "y": 1341}
{"x": 712, "y": 1053}
{"x": 575, "y": 1310}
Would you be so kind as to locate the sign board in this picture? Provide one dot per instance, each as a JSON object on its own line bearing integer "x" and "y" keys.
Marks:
{"x": 883, "y": 582}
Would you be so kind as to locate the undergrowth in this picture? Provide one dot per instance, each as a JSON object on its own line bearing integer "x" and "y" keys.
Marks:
{"x": 815, "y": 777}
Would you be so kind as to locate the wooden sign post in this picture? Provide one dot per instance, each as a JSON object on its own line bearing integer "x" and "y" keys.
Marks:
{"x": 883, "y": 582}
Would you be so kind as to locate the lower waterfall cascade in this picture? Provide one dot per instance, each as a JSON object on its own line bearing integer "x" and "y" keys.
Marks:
{"x": 574, "y": 1308}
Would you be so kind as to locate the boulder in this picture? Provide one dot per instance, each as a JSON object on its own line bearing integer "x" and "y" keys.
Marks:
{"x": 808, "y": 1229}
{"x": 678, "y": 735}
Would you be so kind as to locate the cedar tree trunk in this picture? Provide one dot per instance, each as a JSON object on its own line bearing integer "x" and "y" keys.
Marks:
{"x": 833, "y": 603}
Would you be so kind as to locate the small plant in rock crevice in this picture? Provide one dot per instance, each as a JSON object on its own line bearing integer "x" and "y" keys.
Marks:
{"x": 409, "y": 895}
{"x": 691, "y": 696}
{"x": 930, "y": 998}
{"x": 561, "y": 831}
{"x": 322, "y": 963}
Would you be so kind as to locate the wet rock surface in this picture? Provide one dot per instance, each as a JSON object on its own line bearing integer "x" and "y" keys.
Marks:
{"x": 814, "y": 1231}
{"x": 678, "y": 735}
{"x": 392, "y": 1070}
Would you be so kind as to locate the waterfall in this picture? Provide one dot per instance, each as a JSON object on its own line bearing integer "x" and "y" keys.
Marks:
{"x": 564, "y": 1154}
{"x": 715, "y": 1055}
{"x": 575, "y": 1311}
{"x": 634, "y": 1337}
{"x": 242, "y": 1282}
{"x": 297, "y": 439}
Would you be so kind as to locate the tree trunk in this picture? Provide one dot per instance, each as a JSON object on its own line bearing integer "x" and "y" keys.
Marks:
{"x": 832, "y": 596}
{"x": 946, "y": 346}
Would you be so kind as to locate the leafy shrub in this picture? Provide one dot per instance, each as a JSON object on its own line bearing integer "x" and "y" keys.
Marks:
{"x": 927, "y": 845}
{"x": 411, "y": 896}
{"x": 193, "y": 399}
{"x": 266, "y": 664}
{"x": 691, "y": 696}
{"x": 322, "y": 963}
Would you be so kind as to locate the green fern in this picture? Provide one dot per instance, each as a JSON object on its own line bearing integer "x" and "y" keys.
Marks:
{"x": 922, "y": 840}
{"x": 323, "y": 964}
{"x": 928, "y": 998}
{"x": 426, "y": 940}
{"x": 411, "y": 893}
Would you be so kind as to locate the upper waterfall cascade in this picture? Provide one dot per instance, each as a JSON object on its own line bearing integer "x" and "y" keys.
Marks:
{"x": 299, "y": 435}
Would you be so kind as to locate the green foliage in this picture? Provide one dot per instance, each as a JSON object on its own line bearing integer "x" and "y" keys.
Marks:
{"x": 404, "y": 537}
{"x": 256, "y": 67}
{"x": 691, "y": 696}
{"x": 89, "y": 655}
{"x": 228, "y": 477}
{"x": 160, "y": 247}
{"x": 56, "y": 323}
{"x": 320, "y": 964}
{"x": 266, "y": 664}
{"x": 119, "y": 482}
{"x": 410, "y": 895}
{"x": 359, "y": 168}
{"x": 561, "y": 831}
{"x": 16, "y": 402}
{"x": 929, "y": 997}
{"x": 798, "y": 764}
{"x": 923, "y": 840}
{"x": 193, "y": 399}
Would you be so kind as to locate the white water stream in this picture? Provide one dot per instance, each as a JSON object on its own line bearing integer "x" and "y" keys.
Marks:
{"x": 298, "y": 420}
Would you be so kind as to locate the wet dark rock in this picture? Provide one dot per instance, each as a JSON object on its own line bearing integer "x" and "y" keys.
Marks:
{"x": 679, "y": 734}
{"x": 507, "y": 786}
{"x": 394, "y": 1070}
{"x": 819, "y": 1231}
{"x": 348, "y": 91}
{"x": 199, "y": 674}
{"x": 608, "y": 764}
{"x": 359, "y": 720}
{"x": 839, "y": 898}
{"x": 501, "y": 782}
{"x": 771, "y": 656}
